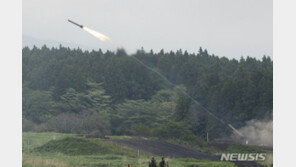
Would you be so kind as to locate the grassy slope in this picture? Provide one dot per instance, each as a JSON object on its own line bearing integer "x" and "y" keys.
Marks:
{"x": 39, "y": 149}
{"x": 83, "y": 146}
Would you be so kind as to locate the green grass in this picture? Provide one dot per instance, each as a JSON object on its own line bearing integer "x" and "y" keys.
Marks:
{"x": 33, "y": 140}
{"x": 238, "y": 148}
{"x": 84, "y": 146}
{"x": 120, "y": 137}
{"x": 190, "y": 162}
{"x": 68, "y": 150}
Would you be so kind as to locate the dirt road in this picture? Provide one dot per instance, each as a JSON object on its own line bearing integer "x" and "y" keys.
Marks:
{"x": 162, "y": 148}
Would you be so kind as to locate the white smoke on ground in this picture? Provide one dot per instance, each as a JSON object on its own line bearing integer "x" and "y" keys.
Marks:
{"x": 101, "y": 36}
{"x": 257, "y": 132}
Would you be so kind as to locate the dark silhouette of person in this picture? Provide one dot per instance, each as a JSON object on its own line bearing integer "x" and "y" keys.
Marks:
{"x": 152, "y": 162}
{"x": 162, "y": 163}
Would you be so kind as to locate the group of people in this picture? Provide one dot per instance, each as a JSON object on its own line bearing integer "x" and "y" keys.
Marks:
{"x": 162, "y": 163}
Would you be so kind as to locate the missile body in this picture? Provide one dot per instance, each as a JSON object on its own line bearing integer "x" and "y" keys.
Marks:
{"x": 81, "y": 26}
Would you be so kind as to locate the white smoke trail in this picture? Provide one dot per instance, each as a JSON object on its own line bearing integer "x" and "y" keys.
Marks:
{"x": 185, "y": 93}
{"x": 235, "y": 130}
{"x": 101, "y": 36}
{"x": 105, "y": 38}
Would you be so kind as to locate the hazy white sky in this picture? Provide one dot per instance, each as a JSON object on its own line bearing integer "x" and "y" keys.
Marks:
{"x": 231, "y": 28}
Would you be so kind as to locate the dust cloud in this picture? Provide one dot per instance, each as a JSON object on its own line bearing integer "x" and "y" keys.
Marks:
{"x": 257, "y": 132}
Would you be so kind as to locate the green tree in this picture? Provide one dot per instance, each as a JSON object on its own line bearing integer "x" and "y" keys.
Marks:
{"x": 38, "y": 105}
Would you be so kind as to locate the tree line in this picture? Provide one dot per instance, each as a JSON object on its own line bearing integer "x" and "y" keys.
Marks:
{"x": 68, "y": 85}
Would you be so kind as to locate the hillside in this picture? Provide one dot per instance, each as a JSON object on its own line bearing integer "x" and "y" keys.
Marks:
{"x": 116, "y": 94}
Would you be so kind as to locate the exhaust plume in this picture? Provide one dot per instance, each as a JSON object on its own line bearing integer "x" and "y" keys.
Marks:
{"x": 101, "y": 36}
{"x": 257, "y": 132}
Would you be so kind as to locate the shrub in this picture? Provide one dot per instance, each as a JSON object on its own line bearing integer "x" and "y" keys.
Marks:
{"x": 27, "y": 125}
{"x": 175, "y": 130}
{"x": 93, "y": 121}
{"x": 89, "y": 122}
{"x": 140, "y": 130}
{"x": 64, "y": 123}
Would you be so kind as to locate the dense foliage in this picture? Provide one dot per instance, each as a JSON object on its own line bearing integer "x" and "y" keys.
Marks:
{"x": 136, "y": 100}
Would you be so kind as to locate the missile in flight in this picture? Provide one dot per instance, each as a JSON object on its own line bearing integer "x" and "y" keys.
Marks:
{"x": 79, "y": 25}
{"x": 97, "y": 34}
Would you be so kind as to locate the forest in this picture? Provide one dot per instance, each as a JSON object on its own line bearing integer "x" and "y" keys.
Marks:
{"x": 142, "y": 94}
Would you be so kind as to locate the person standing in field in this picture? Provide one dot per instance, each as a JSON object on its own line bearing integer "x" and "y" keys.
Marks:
{"x": 162, "y": 163}
{"x": 152, "y": 162}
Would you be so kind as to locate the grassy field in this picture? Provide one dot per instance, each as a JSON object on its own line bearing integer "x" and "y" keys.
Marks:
{"x": 68, "y": 150}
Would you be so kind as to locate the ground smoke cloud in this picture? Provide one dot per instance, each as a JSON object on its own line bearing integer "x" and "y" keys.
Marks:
{"x": 257, "y": 132}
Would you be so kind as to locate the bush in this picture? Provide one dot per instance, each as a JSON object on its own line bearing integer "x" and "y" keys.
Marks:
{"x": 27, "y": 125}
{"x": 175, "y": 130}
{"x": 64, "y": 123}
{"x": 89, "y": 122}
{"x": 140, "y": 130}
{"x": 93, "y": 121}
